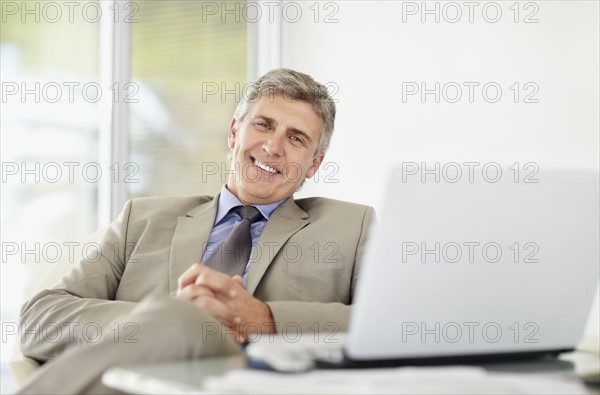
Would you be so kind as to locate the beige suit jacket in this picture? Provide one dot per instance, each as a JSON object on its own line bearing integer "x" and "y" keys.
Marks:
{"x": 305, "y": 268}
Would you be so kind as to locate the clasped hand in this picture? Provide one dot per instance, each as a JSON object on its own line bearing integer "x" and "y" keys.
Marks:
{"x": 225, "y": 298}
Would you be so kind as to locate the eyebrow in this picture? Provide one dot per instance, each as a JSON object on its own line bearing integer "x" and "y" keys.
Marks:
{"x": 272, "y": 121}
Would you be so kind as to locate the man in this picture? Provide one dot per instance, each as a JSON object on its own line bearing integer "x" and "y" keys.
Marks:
{"x": 300, "y": 274}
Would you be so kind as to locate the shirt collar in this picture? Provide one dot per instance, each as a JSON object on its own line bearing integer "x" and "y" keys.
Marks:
{"x": 228, "y": 200}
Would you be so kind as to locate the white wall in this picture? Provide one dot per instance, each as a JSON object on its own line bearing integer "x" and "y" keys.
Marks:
{"x": 370, "y": 52}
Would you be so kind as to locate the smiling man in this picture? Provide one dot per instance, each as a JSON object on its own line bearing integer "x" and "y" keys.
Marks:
{"x": 278, "y": 145}
{"x": 190, "y": 277}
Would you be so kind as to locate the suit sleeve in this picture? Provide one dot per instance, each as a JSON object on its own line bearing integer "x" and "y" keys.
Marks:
{"x": 81, "y": 307}
{"x": 329, "y": 317}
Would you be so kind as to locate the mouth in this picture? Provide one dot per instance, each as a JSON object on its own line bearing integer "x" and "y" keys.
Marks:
{"x": 264, "y": 166}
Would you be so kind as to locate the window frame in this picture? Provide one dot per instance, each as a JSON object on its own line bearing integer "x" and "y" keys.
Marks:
{"x": 264, "y": 53}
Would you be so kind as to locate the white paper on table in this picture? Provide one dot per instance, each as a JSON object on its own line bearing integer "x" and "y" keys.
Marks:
{"x": 408, "y": 380}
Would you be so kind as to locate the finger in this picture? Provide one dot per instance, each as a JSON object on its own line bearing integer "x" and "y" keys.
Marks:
{"x": 218, "y": 309}
{"x": 217, "y": 282}
{"x": 189, "y": 276}
{"x": 239, "y": 280}
{"x": 194, "y": 291}
{"x": 183, "y": 293}
{"x": 206, "y": 299}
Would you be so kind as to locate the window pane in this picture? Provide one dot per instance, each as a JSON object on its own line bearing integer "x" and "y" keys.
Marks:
{"x": 49, "y": 127}
{"x": 184, "y": 59}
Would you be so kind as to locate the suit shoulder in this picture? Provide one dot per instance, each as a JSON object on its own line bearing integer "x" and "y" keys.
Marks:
{"x": 174, "y": 205}
{"x": 321, "y": 204}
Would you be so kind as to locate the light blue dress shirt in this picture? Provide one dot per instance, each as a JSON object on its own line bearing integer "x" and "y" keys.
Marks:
{"x": 226, "y": 220}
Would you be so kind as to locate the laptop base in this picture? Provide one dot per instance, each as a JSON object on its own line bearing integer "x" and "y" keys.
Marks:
{"x": 478, "y": 359}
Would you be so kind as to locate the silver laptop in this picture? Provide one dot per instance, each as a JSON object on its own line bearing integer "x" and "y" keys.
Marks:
{"x": 472, "y": 262}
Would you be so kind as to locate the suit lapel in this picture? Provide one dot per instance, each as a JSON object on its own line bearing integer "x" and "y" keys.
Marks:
{"x": 190, "y": 238}
{"x": 286, "y": 220}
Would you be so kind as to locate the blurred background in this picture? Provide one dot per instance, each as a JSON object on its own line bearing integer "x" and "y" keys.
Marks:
{"x": 134, "y": 98}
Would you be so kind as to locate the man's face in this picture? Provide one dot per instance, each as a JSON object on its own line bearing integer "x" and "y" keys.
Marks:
{"x": 274, "y": 149}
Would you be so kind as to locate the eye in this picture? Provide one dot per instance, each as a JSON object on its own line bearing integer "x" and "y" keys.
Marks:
{"x": 296, "y": 139}
{"x": 262, "y": 125}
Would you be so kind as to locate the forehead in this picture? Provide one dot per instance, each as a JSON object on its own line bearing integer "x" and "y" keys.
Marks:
{"x": 287, "y": 112}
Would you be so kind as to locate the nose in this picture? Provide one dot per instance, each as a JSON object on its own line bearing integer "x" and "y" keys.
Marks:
{"x": 273, "y": 145}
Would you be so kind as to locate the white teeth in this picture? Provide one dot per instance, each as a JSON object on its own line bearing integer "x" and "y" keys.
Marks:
{"x": 264, "y": 167}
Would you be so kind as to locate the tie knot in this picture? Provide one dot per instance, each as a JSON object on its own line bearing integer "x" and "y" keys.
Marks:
{"x": 250, "y": 213}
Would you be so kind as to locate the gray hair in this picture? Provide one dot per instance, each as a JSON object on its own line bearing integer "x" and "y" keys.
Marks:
{"x": 296, "y": 86}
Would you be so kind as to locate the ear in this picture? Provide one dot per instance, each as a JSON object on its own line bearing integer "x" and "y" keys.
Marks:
{"x": 232, "y": 134}
{"x": 316, "y": 162}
